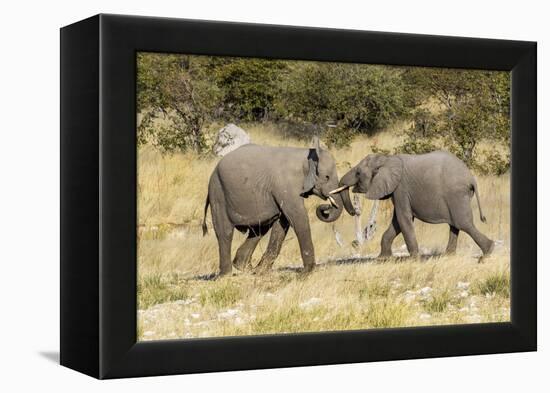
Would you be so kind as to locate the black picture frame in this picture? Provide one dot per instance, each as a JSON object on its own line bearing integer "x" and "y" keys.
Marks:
{"x": 98, "y": 196}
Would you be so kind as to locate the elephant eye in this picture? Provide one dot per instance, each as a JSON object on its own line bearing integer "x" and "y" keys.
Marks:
{"x": 327, "y": 177}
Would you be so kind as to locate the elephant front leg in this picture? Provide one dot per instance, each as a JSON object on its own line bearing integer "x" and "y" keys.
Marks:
{"x": 278, "y": 234}
{"x": 388, "y": 237}
{"x": 406, "y": 224}
{"x": 299, "y": 221}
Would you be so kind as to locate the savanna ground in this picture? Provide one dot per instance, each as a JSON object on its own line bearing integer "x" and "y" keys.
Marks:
{"x": 350, "y": 289}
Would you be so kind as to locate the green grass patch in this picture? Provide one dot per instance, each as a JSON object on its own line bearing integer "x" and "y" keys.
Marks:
{"x": 438, "y": 302}
{"x": 383, "y": 314}
{"x": 497, "y": 283}
{"x": 223, "y": 295}
{"x": 379, "y": 314}
{"x": 374, "y": 290}
{"x": 155, "y": 289}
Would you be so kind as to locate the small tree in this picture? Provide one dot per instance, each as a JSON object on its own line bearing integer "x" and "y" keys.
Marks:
{"x": 472, "y": 106}
{"x": 174, "y": 100}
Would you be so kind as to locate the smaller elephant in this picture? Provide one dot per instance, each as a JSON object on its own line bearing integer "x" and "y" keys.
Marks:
{"x": 435, "y": 187}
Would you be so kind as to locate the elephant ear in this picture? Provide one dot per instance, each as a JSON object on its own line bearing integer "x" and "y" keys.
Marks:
{"x": 312, "y": 167}
{"x": 387, "y": 171}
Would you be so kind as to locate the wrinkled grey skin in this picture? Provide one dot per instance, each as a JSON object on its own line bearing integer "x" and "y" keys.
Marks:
{"x": 436, "y": 188}
{"x": 255, "y": 188}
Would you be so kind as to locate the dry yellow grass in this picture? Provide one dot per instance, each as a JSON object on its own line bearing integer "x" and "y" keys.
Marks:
{"x": 174, "y": 260}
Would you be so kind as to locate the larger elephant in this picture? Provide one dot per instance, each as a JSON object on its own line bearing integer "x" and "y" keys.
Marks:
{"x": 435, "y": 187}
{"x": 257, "y": 188}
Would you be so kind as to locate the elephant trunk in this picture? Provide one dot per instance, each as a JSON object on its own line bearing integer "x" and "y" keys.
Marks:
{"x": 348, "y": 180}
{"x": 330, "y": 213}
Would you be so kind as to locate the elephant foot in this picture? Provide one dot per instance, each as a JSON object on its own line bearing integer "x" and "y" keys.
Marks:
{"x": 225, "y": 272}
{"x": 489, "y": 250}
{"x": 384, "y": 255}
{"x": 243, "y": 267}
{"x": 261, "y": 269}
{"x": 487, "y": 253}
{"x": 308, "y": 268}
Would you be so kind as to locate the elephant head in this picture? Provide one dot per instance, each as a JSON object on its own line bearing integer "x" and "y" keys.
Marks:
{"x": 377, "y": 176}
{"x": 320, "y": 178}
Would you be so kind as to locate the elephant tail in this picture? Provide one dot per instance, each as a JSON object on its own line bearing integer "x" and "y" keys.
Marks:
{"x": 204, "y": 227}
{"x": 481, "y": 216}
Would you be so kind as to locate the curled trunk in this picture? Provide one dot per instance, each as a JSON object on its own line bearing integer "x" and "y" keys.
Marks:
{"x": 348, "y": 180}
{"x": 329, "y": 213}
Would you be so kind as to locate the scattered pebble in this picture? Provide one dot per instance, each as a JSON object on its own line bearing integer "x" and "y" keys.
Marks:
{"x": 229, "y": 313}
{"x": 410, "y": 296}
{"x": 425, "y": 316}
{"x": 425, "y": 291}
{"x": 463, "y": 285}
{"x": 464, "y": 294}
{"x": 195, "y": 315}
{"x": 311, "y": 302}
{"x": 148, "y": 333}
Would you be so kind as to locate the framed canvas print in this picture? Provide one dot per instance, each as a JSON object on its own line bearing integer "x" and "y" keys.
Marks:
{"x": 239, "y": 196}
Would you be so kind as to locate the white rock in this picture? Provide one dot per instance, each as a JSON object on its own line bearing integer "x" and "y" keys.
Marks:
{"x": 463, "y": 285}
{"x": 425, "y": 316}
{"x": 410, "y": 296}
{"x": 311, "y": 302}
{"x": 229, "y": 138}
{"x": 425, "y": 291}
{"x": 195, "y": 315}
{"x": 148, "y": 333}
{"x": 463, "y": 294}
{"x": 229, "y": 313}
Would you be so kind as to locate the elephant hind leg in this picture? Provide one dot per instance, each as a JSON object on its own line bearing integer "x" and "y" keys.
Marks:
{"x": 224, "y": 233}
{"x": 465, "y": 222}
{"x": 278, "y": 234}
{"x": 453, "y": 240}
{"x": 245, "y": 251}
{"x": 486, "y": 244}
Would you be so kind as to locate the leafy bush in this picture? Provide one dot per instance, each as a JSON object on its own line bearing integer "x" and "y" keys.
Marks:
{"x": 471, "y": 106}
{"x": 491, "y": 162}
{"x": 354, "y": 98}
{"x": 249, "y": 87}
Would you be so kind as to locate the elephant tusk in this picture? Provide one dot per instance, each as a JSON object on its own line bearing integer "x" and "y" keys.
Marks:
{"x": 332, "y": 201}
{"x": 339, "y": 189}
